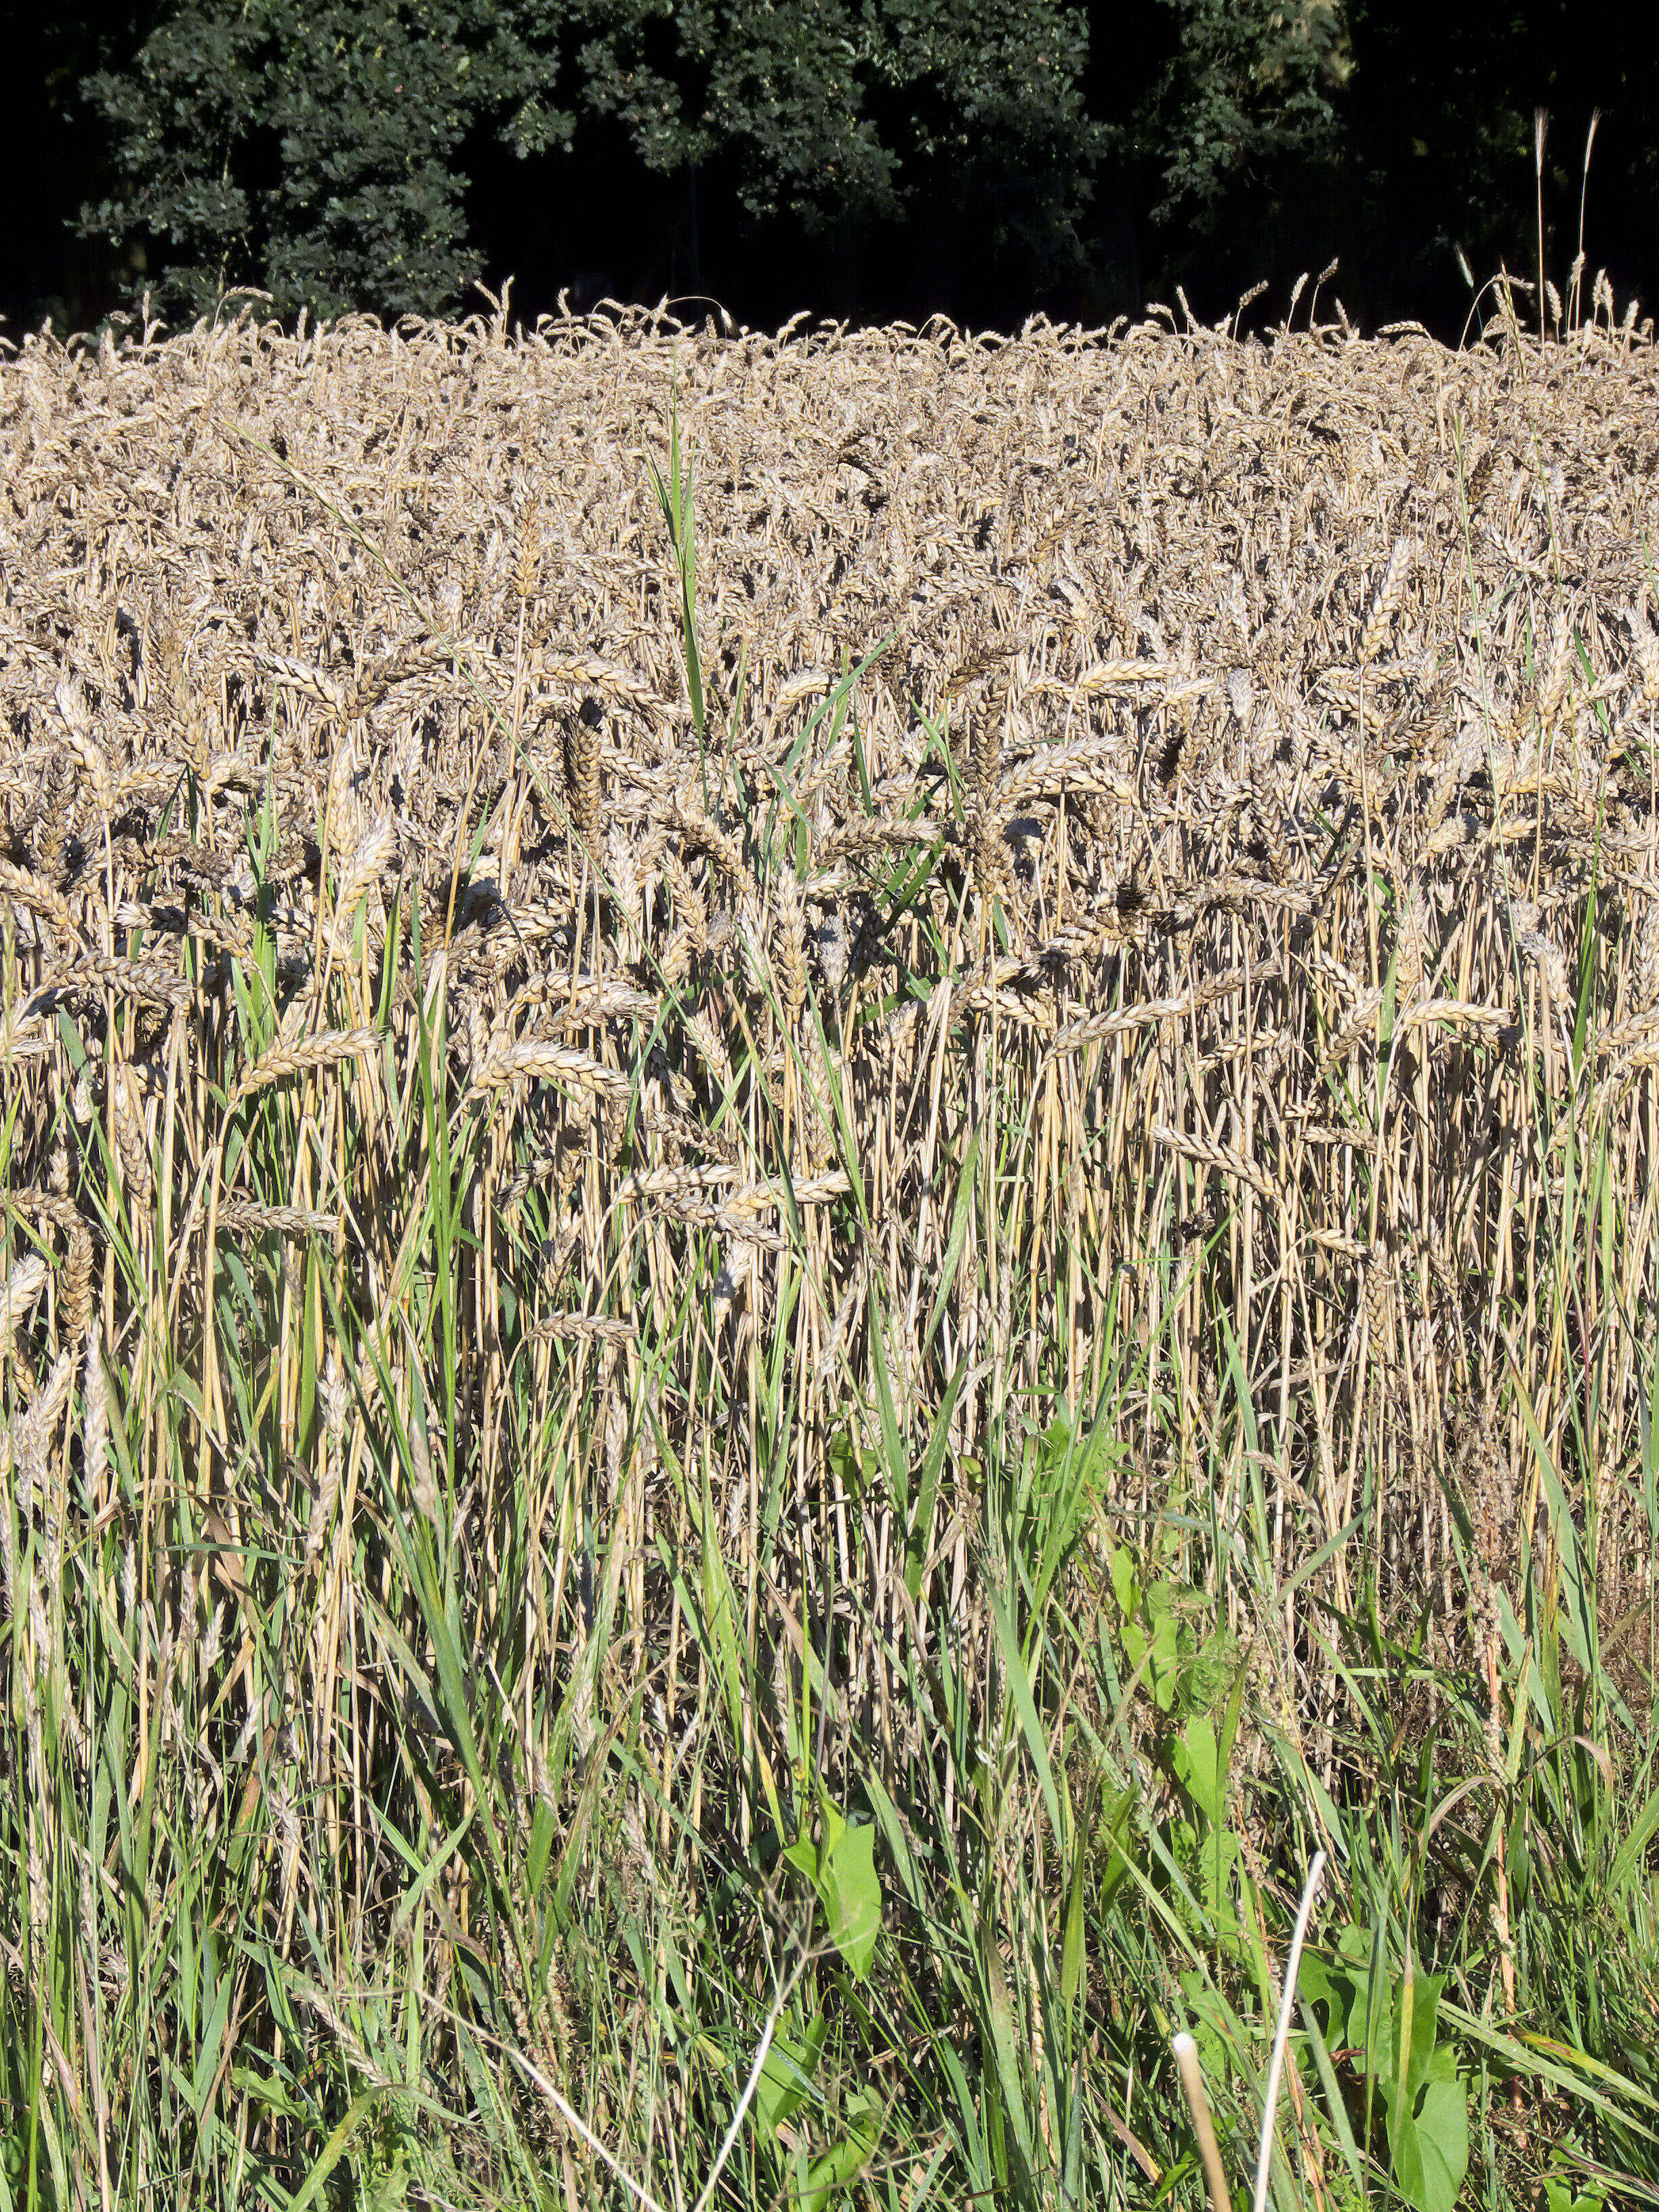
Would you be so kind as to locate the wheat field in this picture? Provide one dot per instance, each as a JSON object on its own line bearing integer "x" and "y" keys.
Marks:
{"x": 797, "y": 1093}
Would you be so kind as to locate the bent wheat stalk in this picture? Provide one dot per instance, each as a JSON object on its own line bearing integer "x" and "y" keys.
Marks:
{"x": 1192, "y": 2074}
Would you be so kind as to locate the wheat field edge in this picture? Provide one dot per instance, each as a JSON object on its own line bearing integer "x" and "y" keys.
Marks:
{"x": 712, "y": 1044}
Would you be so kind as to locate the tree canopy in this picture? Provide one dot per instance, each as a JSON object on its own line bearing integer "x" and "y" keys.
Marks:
{"x": 318, "y": 154}
{"x": 987, "y": 157}
{"x": 310, "y": 151}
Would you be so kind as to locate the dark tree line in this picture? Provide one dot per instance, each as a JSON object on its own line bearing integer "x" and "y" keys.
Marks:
{"x": 984, "y": 158}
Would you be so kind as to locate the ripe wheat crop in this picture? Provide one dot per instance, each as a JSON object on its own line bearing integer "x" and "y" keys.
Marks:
{"x": 692, "y": 1024}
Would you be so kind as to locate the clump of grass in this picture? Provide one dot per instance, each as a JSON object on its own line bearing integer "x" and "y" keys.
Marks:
{"x": 783, "y": 1289}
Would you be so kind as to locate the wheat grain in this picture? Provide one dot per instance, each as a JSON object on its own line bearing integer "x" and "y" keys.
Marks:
{"x": 1384, "y": 607}
{"x": 580, "y": 740}
{"x": 245, "y": 1217}
{"x": 507, "y": 1059}
{"x": 31, "y": 891}
{"x": 131, "y": 1135}
{"x": 1208, "y": 1153}
{"x": 373, "y": 852}
{"x": 132, "y": 979}
{"x": 306, "y": 1056}
{"x": 75, "y": 1312}
{"x": 23, "y": 1285}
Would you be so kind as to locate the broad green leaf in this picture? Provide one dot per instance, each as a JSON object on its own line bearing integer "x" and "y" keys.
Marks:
{"x": 842, "y": 1868}
{"x": 1432, "y": 2151}
{"x": 850, "y": 1890}
{"x": 785, "y": 2079}
{"x": 842, "y": 2164}
{"x": 1201, "y": 1769}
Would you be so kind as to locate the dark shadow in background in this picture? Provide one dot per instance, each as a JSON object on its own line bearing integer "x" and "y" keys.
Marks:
{"x": 51, "y": 162}
{"x": 1437, "y": 118}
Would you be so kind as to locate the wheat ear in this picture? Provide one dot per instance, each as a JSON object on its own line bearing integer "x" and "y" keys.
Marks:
{"x": 325, "y": 1049}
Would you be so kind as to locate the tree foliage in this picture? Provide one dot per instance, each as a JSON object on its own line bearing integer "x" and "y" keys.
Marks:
{"x": 316, "y": 154}
{"x": 1247, "y": 98}
{"x": 323, "y": 153}
{"x": 312, "y": 152}
{"x": 1441, "y": 145}
{"x": 831, "y": 113}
